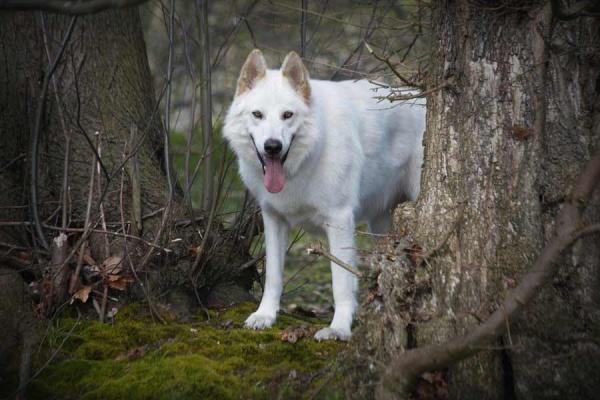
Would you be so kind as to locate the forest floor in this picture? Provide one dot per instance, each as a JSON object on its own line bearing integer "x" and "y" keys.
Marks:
{"x": 213, "y": 356}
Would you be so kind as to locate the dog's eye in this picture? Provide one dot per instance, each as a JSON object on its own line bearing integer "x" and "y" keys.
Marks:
{"x": 257, "y": 114}
{"x": 287, "y": 115}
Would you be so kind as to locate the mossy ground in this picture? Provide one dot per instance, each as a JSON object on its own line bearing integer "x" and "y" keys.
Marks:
{"x": 135, "y": 358}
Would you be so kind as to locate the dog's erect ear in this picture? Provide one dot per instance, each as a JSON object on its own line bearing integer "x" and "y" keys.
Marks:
{"x": 254, "y": 69}
{"x": 297, "y": 75}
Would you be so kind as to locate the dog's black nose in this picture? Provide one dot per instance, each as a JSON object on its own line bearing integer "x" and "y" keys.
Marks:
{"x": 273, "y": 147}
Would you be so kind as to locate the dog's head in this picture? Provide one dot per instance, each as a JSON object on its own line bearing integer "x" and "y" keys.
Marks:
{"x": 269, "y": 123}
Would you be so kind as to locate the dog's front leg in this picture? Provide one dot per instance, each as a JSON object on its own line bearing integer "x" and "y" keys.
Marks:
{"x": 340, "y": 233}
{"x": 276, "y": 235}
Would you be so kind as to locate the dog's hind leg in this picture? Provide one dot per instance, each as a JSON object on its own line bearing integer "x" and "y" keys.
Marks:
{"x": 276, "y": 236}
{"x": 340, "y": 233}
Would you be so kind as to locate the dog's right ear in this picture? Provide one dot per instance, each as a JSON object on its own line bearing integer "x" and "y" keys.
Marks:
{"x": 254, "y": 69}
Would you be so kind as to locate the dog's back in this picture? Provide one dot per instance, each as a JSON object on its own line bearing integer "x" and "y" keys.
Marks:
{"x": 383, "y": 140}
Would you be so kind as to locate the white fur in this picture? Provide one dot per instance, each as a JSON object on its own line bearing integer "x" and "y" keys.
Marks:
{"x": 353, "y": 159}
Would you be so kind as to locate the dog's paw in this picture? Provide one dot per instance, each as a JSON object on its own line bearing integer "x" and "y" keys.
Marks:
{"x": 259, "y": 321}
{"x": 333, "y": 334}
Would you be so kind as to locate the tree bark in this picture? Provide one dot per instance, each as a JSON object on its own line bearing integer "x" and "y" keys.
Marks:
{"x": 100, "y": 104}
{"x": 503, "y": 146}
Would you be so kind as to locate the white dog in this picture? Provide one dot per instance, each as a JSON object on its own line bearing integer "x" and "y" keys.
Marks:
{"x": 321, "y": 155}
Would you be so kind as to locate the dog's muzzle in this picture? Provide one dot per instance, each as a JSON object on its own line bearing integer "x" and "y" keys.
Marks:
{"x": 262, "y": 160}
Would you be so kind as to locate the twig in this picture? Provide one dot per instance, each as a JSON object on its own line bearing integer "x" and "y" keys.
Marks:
{"x": 136, "y": 191}
{"x": 153, "y": 312}
{"x": 167, "y": 124}
{"x": 319, "y": 250}
{"x": 106, "y": 232}
{"x": 205, "y": 102}
{"x": 35, "y": 139}
{"x": 195, "y": 271}
{"x": 65, "y": 185}
{"x": 303, "y": 18}
{"x": 101, "y": 205}
{"x": 86, "y": 224}
{"x": 393, "y": 68}
{"x": 424, "y": 93}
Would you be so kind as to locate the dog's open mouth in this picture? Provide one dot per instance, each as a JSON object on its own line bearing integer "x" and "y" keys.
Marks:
{"x": 274, "y": 175}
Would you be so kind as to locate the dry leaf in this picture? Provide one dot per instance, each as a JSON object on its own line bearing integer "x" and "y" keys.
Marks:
{"x": 119, "y": 282}
{"x": 82, "y": 294}
{"x": 87, "y": 256}
{"x": 294, "y": 333}
{"x": 112, "y": 264}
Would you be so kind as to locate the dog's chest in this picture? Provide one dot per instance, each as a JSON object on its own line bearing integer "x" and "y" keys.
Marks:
{"x": 299, "y": 203}
{"x": 296, "y": 210}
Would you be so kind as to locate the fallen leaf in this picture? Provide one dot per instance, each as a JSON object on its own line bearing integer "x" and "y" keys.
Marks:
{"x": 87, "y": 256}
{"x": 294, "y": 333}
{"x": 119, "y": 282}
{"x": 82, "y": 294}
{"x": 112, "y": 264}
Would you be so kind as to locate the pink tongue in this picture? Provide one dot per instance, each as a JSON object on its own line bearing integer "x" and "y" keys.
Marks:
{"x": 274, "y": 176}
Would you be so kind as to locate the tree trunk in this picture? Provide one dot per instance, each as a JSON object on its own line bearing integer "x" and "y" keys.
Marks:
{"x": 99, "y": 102}
{"x": 503, "y": 145}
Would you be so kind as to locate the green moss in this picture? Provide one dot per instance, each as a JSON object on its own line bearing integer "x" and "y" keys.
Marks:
{"x": 135, "y": 358}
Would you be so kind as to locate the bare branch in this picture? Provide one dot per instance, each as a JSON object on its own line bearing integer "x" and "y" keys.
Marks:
{"x": 206, "y": 103}
{"x": 318, "y": 249}
{"x": 35, "y": 137}
{"x": 391, "y": 66}
{"x": 303, "y": 18}
{"x": 419, "y": 95}
{"x": 73, "y": 7}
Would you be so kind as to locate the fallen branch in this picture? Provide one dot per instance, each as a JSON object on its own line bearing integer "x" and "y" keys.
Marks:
{"x": 318, "y": 249}
{"x": 403, "y": 371}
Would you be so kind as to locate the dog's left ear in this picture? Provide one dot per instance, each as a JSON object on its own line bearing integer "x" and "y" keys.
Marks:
{"x": 295, "y": 72}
